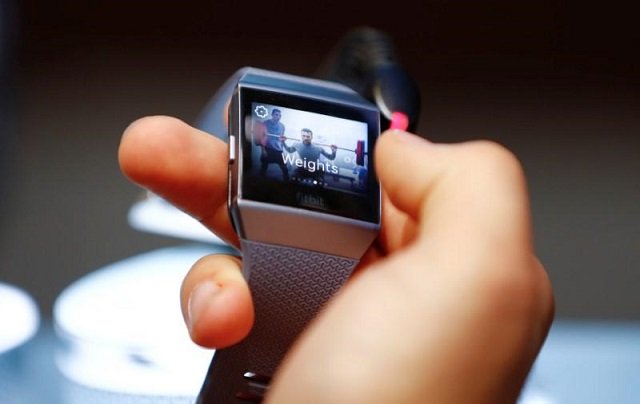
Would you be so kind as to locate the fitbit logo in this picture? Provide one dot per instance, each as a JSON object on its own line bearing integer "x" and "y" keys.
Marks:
{"x": 310, "y": 200}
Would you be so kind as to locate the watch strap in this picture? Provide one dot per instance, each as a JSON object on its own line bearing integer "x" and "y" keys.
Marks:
{"x": 288, "y": 286}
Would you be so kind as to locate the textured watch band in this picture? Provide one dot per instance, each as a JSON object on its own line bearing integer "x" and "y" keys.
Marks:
{"x": 289, "y": 286}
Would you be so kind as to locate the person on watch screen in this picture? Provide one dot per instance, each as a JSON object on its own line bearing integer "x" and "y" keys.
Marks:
{"x": 272, "y": 148}
{"x": 308, "y": 164}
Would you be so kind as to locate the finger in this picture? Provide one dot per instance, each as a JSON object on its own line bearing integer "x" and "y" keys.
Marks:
{"x": 459, "y": 302}
{"x": 216, "y": 302}
{"x": 398, "y": 229}
{"x": 474, "y": 232}
{"x": 456, "y": 192}
{"x": 184, "y": 165}
{"x": 473, "y": 228}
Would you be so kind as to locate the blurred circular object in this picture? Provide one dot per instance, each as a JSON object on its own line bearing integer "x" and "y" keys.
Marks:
{"x": 122, "y": 330}
{"x": 19, "y": 317}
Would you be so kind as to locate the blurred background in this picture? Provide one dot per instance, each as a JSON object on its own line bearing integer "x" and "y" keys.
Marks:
{"x": 555, "y": 81}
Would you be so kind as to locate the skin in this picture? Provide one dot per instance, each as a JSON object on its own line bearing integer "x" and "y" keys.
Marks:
{"x": 450, "y": 304}
{"x": 307, "y": 137}
{"x": 275, "y": 116}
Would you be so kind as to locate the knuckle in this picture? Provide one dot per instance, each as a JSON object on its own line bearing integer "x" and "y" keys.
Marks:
{"x": 518, "y": 294}
{"x": 491, "y": 158}
{"x": 546, "y": 300}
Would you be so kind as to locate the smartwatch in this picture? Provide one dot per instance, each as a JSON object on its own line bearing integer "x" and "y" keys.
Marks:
{"x": 305, "y": 202}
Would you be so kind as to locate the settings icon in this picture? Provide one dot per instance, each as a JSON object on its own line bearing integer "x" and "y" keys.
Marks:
{"x": 261, "y": 111}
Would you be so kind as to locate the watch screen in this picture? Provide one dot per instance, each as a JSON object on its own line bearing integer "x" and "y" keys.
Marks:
{"x": 309, "y": 154}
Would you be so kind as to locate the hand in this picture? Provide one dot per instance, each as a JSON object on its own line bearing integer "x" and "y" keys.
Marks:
{"x": 334, "y": 148}
{"x": 449, "y": 305}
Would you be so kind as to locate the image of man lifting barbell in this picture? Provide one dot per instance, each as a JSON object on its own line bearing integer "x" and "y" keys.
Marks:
{"x": 309, "y": 157}
{"x": 272, "y": 145}
{"x": 308, "y": 166}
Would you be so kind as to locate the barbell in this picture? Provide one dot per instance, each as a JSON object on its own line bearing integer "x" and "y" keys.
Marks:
{"x": 359, "y": 150}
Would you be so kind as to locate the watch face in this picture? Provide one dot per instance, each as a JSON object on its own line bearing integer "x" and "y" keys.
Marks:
{"x": 310, "y": 154}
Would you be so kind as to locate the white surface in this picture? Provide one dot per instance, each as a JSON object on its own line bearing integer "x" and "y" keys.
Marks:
{"x": 589, "y": 362}
{"x": 122, "y": 329}
{"x": 155, "y": 215}
{"x": 19, "y": 317}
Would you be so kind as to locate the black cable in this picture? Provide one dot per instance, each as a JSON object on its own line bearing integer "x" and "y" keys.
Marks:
{"x": 365, "y": 60}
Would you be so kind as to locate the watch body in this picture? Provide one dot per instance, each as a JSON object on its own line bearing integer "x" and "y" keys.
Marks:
{"x": 330, "y": 205}
{"x": 305, "y": 203}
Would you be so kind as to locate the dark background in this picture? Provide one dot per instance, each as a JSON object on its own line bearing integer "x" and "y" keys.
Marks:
{"x": 555, "y": 81}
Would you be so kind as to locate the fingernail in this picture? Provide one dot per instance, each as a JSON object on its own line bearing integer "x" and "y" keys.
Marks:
{"x": 199, "y": 299}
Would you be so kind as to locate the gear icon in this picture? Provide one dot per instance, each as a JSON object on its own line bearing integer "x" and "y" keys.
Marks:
{"x": 261, "y": 111}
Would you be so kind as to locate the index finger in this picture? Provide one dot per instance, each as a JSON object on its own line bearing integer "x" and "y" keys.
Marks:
{"x": 184, "y": 165}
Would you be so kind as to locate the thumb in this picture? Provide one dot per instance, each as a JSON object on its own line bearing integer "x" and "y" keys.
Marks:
{"x": 402, "y": 164}
{"x": 216, "y": 302}
{"x": 455, "y": 190}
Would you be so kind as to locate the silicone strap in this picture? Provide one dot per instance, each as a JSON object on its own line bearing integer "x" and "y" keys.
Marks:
{"x": 289, "y": 286}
